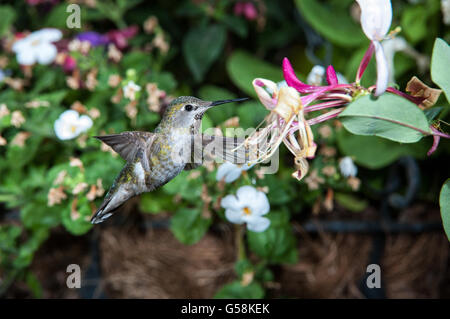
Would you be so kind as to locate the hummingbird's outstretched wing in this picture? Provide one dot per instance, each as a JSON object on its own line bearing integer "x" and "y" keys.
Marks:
{"x": 127, "y": 143}
{"x": 229, "y": 149}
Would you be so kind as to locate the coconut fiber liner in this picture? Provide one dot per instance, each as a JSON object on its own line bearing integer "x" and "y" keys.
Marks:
{"x": 156, "y": 265}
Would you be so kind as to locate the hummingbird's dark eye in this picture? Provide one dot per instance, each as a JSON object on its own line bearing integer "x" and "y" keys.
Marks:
{"x": 188, "y": 107}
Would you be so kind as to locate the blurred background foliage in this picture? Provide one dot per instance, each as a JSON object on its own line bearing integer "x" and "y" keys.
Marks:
{"x": 207, "y": 49}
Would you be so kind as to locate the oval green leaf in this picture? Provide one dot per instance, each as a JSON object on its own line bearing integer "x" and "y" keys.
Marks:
{"x": 389, "y": 116}
{"x": 374, "y": 152}
{"x": 333, "y": 22}
{"x": 201, "y": 47}
{"x": 444, "y": 203}
{"x": 243, "y": 67}
{"x": 439, "y": 66}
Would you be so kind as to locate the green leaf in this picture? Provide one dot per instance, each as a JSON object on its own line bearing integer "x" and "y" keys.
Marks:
{"x": 137, "y": 60}
{"x": 8, "y": 16}
{"x": 236, "y": 24}
{"x": 8, "y": 236}
{"x": 277, "y": 244}
{"x": 280, "y": 191}
{"x": 37, "y": 214}
{"x": 46, "y": 80}
{"x": 155, "y": 203}
{"x": 351, "y": 202}
{"x": 375, "y": 152}
{"x": 242, "y": 266}
{"x": 58, "y": 16}
{"x": 333, "y": 22}
{"x": 414, "y": 23}
{"x": 206, "y": 123}
{"x": 235, "y": 290}
{"x": 34, "y": 285}
{"x": 78, "y": 223}
{"x": 243, "y": 67}
{"x": 201, "y": 47}
{"x": 189, "y": 226}
{"x": 251, "y": 114}
{"x": 27, "y": 249}
{"x": 54, "y": 98}
{"x": 165, "y": 80}
{"x": 444, "y": 203}
{"x": 439, "y": 66}
{"x": 432, "y": 113}
{"x": 188, "y": 188}
{"x": 389, "y": 116}
{"x": 218, "y": 115}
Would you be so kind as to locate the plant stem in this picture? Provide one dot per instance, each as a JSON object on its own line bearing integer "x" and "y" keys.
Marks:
{"x": 239, "y": 238}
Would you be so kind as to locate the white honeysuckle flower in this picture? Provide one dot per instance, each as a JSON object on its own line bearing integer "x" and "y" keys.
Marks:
{"x": 282, "y": 84}
{"x": 130, "y": 89}
{"x": 70, "y": 124}
{"x": 445, "y": 8}
{"x": 315, "y": 76}
{"x": 37, "y": 47}
{"x": 248, "y": 206}
{"x": 347, "y": 167}
{"x": 376, "y": 18}
{"x": 390, "y": 48}
{"x": 341, "y": 78}
{"x": 267, "y": 92}
{"x": 382, "y": 69}
{"x": 399, "y": 44}
{"x": 231, "y": 172}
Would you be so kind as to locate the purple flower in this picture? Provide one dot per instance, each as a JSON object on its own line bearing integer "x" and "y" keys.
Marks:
{"x": 94, "y": 38}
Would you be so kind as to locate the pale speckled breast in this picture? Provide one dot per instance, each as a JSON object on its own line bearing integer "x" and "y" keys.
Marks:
{"x": 165, "y": 160}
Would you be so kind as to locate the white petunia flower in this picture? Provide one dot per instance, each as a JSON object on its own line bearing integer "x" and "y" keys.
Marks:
{"x": 231, "y": 172}
{"x": 376, "y": 18}
{"x": 347, "y": 167}
{"x": 37, "y": 47}
{"x": 248, "y": 206}
{"x": 70, "y": 124}
{"x": 130, "y": 89}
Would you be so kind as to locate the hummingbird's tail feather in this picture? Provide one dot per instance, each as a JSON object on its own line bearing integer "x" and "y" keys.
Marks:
{"x": 102, "y": 214}
{"x": 121, "y": 190}
{"x": 111, "y": 203}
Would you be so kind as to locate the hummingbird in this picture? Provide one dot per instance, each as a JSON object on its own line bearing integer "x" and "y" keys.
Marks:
{"x": 155, "y": 158}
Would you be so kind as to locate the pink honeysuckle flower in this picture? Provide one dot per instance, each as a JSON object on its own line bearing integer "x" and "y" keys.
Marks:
{"x": 286, "y": 122}
{"x": 332, "y": 78}
{"x": 334, "y": 92}
{"x": 376, "y": 18}
{"x": 263, "y": 88}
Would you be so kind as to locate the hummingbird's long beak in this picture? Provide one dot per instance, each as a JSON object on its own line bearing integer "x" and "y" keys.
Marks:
{"x": 227, "y": 101}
